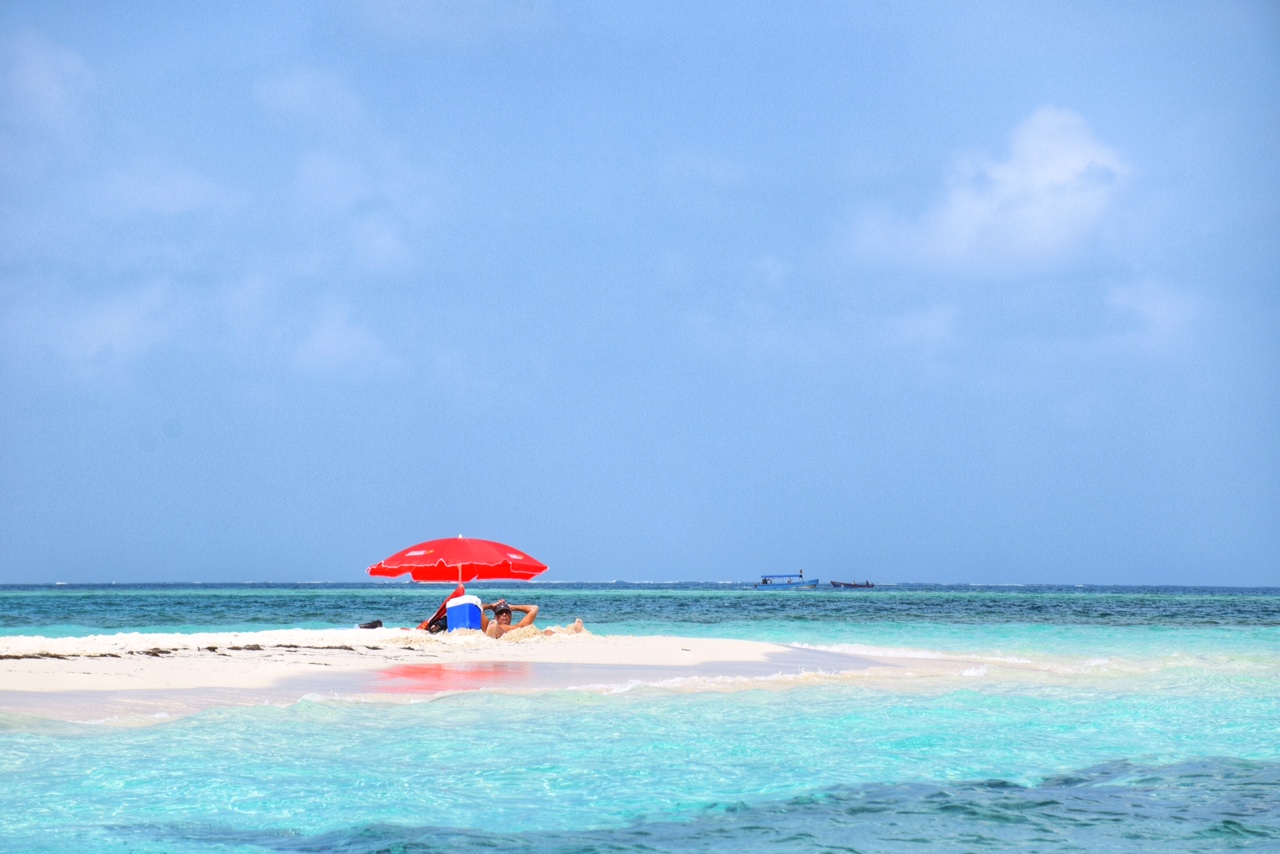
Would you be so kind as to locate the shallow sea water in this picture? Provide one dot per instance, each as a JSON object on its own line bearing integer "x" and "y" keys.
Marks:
{"x": 1099, "y": 719}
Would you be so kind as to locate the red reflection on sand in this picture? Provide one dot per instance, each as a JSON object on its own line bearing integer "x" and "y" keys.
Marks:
{"x": 430, "y": 678}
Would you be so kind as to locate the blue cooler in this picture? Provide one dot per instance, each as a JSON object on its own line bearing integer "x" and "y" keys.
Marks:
{"x": 463, "y": 612}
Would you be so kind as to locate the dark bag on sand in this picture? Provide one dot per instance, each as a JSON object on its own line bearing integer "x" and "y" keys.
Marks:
{"x": 438, "y": 625}
{"x": 376, "y": 624}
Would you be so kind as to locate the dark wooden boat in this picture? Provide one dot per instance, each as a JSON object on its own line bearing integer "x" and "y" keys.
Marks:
{"x": 852, "y": 585}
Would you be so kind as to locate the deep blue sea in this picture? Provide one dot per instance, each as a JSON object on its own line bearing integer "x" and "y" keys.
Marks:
{"x": 1092, "y": 719}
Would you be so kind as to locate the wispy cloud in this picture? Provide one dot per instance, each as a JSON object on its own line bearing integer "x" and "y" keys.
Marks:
{"x": 1024, "y": 212}
{"x": 261, "y": 323}
{"x": 312, "y": 95}
{"x": 45, "y": 106}
{"x": 45, "y": 85}
{"x": 330, "y": 182}
{"x": 457, "y": 22}
{"x": 763, "y": 332}
{"x": 256, "y": 325}
{"x": 702, "y": 169}
{"x": 368, "y": 207}
{"x": 97, "y": 336}
{"x": 378, "y": 243}
{"x": 362, "y": 197}
{"x": 934, "y": 325}
{"x": 333, "y": 343}
{"x": 159, "y": 187}
{"x": 1160, "y": 320}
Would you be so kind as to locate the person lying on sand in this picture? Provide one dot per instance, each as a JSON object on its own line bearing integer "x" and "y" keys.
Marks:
{"x": 501, "y": 622}
{"x": 502, "y": 616}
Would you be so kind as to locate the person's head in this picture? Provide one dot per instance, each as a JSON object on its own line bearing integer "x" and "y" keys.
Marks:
{"x": 502, "y": 613}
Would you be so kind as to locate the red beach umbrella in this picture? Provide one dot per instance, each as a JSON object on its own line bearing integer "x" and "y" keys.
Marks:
{"x": 461, "y": 559}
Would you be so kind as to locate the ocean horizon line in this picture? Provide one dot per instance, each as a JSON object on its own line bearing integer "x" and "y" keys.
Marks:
{"x": 741, "y": 584}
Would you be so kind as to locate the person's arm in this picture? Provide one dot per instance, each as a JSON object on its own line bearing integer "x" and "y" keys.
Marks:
{"x": 530, "y": 612}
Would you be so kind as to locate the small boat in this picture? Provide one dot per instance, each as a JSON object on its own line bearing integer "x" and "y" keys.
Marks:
{"x": 853, "y": 585}
{"x": 791, "y": 581}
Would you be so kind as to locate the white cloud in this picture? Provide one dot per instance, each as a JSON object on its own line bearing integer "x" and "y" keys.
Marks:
{"x": 265, "y": 321}
{"x": 96, "y": 336}
{"x": 378, "y": 244}
{"x": 933, "y": 325}
{"x": 1160, "y": 319}
{"x": 702, "y": 169}
{"x": 365, "y": 207}
{"x": 703, "y": 180}
{"x": 333, "y": 343}
{"x": 257, "y": 325}
{"x": 45, "y": 85}
{"x": 452, "y": 21}
{"x": 771, "y": 269}
{"x": 331, "y": 183}
{"x": 312, "y": 95}
{"x": 760, "y": 332}
{"x": 156, "y": 187}
{"x": 353, "y": 182}
{"x": 125, "y": 327}
{"x": 45, "y": 107}
{"x": 1027, "y": 211}
{"x": 250, "y": 313}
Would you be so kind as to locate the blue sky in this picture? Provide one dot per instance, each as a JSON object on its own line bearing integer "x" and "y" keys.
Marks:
{"x": 978, "y": 292}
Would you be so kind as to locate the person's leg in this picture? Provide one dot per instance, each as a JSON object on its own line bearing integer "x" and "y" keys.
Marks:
{"x": 572, "y": 629}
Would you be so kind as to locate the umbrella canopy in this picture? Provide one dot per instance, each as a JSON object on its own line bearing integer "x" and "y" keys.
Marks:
{"x": 461, "y": 559}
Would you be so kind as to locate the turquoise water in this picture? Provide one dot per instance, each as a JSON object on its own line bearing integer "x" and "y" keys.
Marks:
{"x": 1149, "y": 718}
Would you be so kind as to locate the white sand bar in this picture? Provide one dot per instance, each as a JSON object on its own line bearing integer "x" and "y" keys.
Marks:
{"x": 136, "y": 678}
{"x": 246, "y": 660}
{"x": 131, "y": 678}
